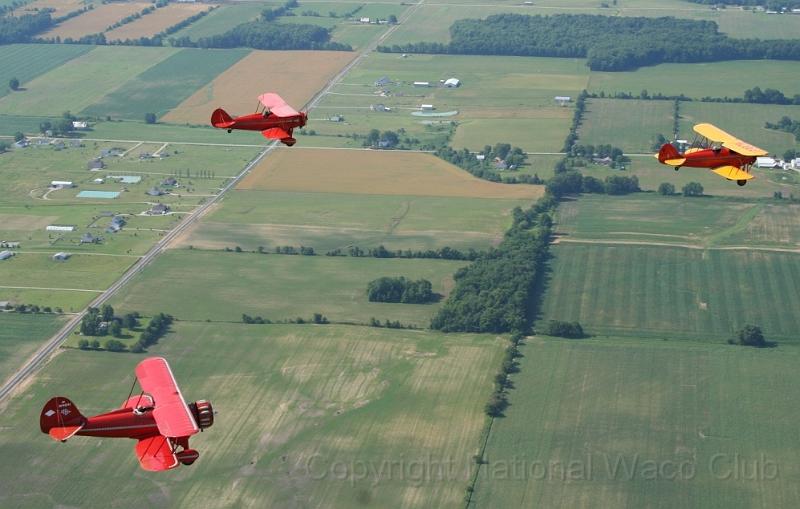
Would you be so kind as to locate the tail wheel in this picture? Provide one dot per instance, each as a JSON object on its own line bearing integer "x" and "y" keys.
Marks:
{"x": 187, "y": 456}
{"x": 677, "y": 168}
{"x": 741, "y": 182}
{"x": 230, "y": 131}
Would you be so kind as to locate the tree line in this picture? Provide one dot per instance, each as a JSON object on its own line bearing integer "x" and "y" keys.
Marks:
{"x": 103, "y": 321}
{"x": 273, "y": 36}
{"x": 751, "y": 95}
{"x": 788, "y": 125}
{"x": 15, "y": 29}
{"x": 496, "y": 292}
{"x": 483, "y": 169}
{"x": 608, "y": 43}
{"x": 400, "y": 290}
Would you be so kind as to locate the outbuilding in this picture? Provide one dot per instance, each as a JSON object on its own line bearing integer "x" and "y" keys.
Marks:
{"x": 427, "y": 107}
{"x": 422, "y": 83}
{"x": 61, "y": 228}
{"x": 5, "y": 255}
{"x": 61, "y": 256}
{"x": 452, "y": 83}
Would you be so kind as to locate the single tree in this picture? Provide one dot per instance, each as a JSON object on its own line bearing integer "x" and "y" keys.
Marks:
{"x": 150, "y": 118}
{"x": 18, "y": 136}
{"x": 751, "y": 335}
{"x": 115, "y": 345}
{"x": 13, "y": 84}
{"x": 392, "y": 19}
{"x": 693, "y": 189}
{"x": 115, "y": 329}
{"x": 666, "y": 189}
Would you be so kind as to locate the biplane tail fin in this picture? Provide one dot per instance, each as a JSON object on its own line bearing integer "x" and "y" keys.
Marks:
{"x": 670, "y": 155}
{"x": 221, "y": 119}
{"x": 61, "y": 419}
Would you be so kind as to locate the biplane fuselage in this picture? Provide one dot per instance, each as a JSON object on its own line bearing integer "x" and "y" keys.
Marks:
{"x": 714, "y": 158}
{"x": 276, "y": 121}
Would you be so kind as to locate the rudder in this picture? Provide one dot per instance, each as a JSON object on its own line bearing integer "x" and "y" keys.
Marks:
{"x": 220, "y": 118}
{"x": 60, "y": 418}
{"x": 667, "y": 153}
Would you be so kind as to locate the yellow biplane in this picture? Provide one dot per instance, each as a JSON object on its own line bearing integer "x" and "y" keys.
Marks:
{"x": 721, "y": 152}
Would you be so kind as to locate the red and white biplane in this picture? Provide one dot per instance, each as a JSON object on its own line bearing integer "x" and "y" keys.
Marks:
{"x": 158, "y": 418}
{"x": 273, "y": 117}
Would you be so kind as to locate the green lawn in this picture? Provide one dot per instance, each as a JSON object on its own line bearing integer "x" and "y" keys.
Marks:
{"x": 84, "y": 272}
{"x": 616, "y": 423}
{"x": 670, "y": 292}
{"x": 27, "y": 61}
{"x": 21, "y": 335}
{"x": 628, "y": 124}
{"x": 326, "y": 221}
{"x": 300, "y": 410}
{"x": 223, "y": 19}
{"x": 215, "y": 285}
{"x": 165, "y": 85}
{"x": 79, "y": 83}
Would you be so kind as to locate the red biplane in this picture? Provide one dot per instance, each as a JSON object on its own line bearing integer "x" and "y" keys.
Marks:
{"x": 722, "y": 153}
{"x": 273, "y": 117}
{"x": 160, "y": 420}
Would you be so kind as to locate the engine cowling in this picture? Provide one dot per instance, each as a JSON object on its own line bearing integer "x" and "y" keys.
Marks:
{"x": 203, "y": 413}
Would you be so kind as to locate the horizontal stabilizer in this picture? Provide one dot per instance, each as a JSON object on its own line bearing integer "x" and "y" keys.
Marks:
{"x": 732, "y": 173}
{"x": 675, "y": 162}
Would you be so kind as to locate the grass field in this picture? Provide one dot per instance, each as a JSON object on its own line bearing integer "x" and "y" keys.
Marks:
{"x": 375, "y": 172}
{"x": 94, "y": 21}
{"x": 81, "y": 81}
{"x": 540, "y": 134}
{"x": 300, "y": 409}
{"x": 327, "y": 221}
{"x": 166, "y": 84}
{"x": 27, "y": 61}
{"x": 670, "y": 292}
{"x": 60, "y": 7}
{"x": 713, "y": 79}
{"x": 628, "y": 124}
{"x": 298, "y": 75}
{"x": 615, "y": 423}
{"x": 219, "y": 286}
{"x": 21, "y": 335}
{"x": 155, "y": 22}
{"x": 84, "y": 272}
{"x": 223, "y": 19}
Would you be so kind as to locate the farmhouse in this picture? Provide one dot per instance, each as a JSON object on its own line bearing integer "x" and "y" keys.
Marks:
{"x": 158, "y": 209}
{"x": 61, "y": 228}
{"x": 5, "y": 255}
{"x": 95, "y": 164}
{"x": 99, "y": 180}
{"x": 170, "y": 181}
{"x": 563, "y": 100}
{"x": 110, "y": 152}
{"x": 452, "y": 83}
{"x": 382, "y": 81}
{"x": 61, "y": 256}
{"x": 88, "y": 238}
{"x": 154, "y": 191}
{"x": 379, "y": 107}
{"x": 116, "y": 224}
{"x": 79, "y": 124}
{"x": 22, "y": 143}
{"x": 766, "y": 162}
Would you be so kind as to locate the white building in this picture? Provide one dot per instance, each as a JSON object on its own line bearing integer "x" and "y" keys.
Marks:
{"x": 426, "y": 107}
{"x": 422, "y": 83}
{"x": 78, "y": 124}
{"x": 61, "y": 228}
{"x": 61, "y": 183}
{"x": 61, "y": 256}
{"x": 5, "y": 255}
{"x": 563, "y": 100}
{"x": 766, "y": 162}
{"x": 452, "y": 82}
{"x": 364, "y": 20}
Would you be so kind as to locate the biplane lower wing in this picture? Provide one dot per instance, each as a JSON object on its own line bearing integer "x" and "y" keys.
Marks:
{"x": 728, "y": 140}
{"x": 732, "y": 173}
{"x": 155, "y": 454}
{"x": 276, "y": 133}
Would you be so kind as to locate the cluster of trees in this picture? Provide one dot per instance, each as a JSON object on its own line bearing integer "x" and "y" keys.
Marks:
{"x": 514, "y": 157}
{"x": 443, "y": 253}
{"x": 564, "y": 329}
{"x": 31, "y": 308}
{"x": 402, "y": 290}
{"x": 609, "y": 43}
{"x": 15, "y": 29}
{"x": 317, "y": 318}
{"x": 693, "y": 189}
{"x": 291, "y": 250}
{"x": 158, "y": 326}
{"x": 790, "y": 126}
{"x": 385, "y": 139}
{"x": 581, "y": 154}
{"x": 103, "y": 321}
{"x": 467, "y": 160}
{"x": 750, "y": 335}
{"x": 496, "y": 292}
{"x": 389, "y": 324}
{"x": 497, "y": 401}
{"x": 752, "y": 95}
{"x": 769, "y": 96}
{"x": 260, "y": 35}
{"x": 572, "y": 182}
{"x": 254, "y": 319}
{"x": 275, "y": 13}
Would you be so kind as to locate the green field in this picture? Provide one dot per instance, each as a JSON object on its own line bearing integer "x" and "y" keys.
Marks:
{"x": 80, "y": 82}
{"x": 220, "y": 286}
{"x": 166, "y": 84}
{"x": 628, "y": 124}
{"x": 83, "y": 272}
{"x": 672, "y": 292}
{"x": 326, "y": 221}
{"x": 300, "y": 410}
{"x": 27, "y": 61}
{"x": 712, "y": 79}
{"x": 21, "y": 335}
{"x": 223, "y": 19}
{"x": 694, "y": 425}
{"x": 138, "y": 130}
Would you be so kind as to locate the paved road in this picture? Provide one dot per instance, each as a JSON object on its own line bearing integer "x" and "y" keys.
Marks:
{"x": 54, "y": 342}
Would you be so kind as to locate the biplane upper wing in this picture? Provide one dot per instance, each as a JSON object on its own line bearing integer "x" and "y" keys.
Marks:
{"x": 732, "y": 173}
{"x": 275, "y": 104}
{"x": 155, "y": 454}
{"x": 714, "y": 133}
{"x": 172, "y": 415}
